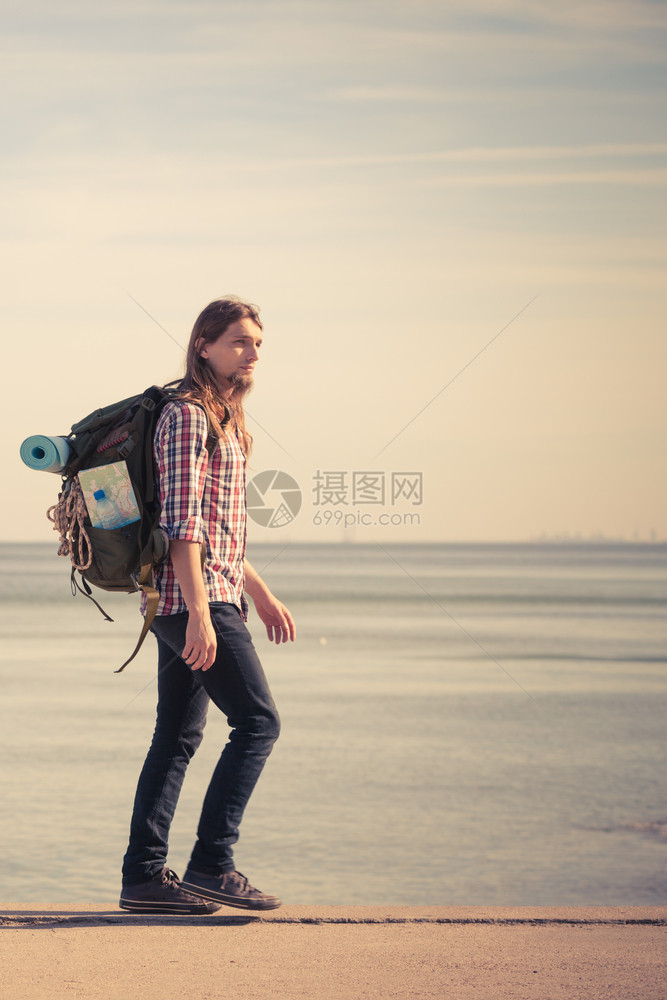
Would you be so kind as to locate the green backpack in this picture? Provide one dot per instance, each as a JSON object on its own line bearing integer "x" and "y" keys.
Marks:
{"x": 120, "y": 559}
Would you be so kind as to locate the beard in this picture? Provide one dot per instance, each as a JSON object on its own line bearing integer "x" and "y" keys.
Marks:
{"x": 241, "y": 384}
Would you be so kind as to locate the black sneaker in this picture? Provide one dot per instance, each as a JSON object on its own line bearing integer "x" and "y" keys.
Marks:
{"x": 163, "y": 894}
{"x": 230, "y": 888}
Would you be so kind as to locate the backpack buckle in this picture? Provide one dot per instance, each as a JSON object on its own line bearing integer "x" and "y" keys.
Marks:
{"x": 148, "y": 403}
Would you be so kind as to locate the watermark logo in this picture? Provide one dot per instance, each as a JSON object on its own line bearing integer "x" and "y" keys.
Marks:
{"x": 273, "y": 498}
{"x": 336, "y": 489}
{"x": 340, "y": 498}
{"x": 345, "y": 499}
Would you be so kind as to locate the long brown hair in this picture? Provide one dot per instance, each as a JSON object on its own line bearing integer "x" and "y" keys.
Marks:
{"x": 199, "y": 383}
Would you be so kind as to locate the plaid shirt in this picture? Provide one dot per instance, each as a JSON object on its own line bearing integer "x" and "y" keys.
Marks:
{"x": 201, "y": 498}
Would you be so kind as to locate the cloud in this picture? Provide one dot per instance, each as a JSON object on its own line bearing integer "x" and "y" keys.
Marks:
{"x": 474, "y": 154}
{"x": 157, "y": 173}
{"x": 399, "y": 94}
{"x": 635, "y": 178}
{"x": 328, "y": 77}
{"x": 596, "y": 15}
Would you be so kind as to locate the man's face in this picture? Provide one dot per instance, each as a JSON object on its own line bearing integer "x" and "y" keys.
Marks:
{"x": 234, "y": 354}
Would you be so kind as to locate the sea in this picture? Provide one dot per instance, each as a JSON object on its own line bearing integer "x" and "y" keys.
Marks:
{"x": 468, "y": 724}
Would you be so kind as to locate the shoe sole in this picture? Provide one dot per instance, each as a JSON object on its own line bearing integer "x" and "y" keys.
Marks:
{"x": 272, "y": 903}
{"x": 183, "y": 908}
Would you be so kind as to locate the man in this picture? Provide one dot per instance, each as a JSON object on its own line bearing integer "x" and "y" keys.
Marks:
{"x": 205, "y": 652}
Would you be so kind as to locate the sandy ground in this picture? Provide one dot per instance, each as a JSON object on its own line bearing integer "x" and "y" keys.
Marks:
{"x": 335, "y": 953}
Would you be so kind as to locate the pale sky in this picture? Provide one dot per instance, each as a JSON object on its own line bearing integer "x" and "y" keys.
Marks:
{"x": 394, "y": 184}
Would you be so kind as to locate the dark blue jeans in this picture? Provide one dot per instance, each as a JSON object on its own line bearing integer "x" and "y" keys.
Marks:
{"x": 237, "y": 685}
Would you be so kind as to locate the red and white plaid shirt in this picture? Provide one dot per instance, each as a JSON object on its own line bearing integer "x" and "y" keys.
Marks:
{"x": 201, "y": 498}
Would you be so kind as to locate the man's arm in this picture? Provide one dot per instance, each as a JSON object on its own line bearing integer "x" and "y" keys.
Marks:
{"x": 182, "y": 460}
{"x": 279, "y": 624}
{"x": 200, "y": 639}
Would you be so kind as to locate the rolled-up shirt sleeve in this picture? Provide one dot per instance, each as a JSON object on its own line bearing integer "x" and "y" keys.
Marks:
{"x": 182, "y": 460}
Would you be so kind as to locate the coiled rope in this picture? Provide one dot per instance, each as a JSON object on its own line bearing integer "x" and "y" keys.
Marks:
{"x": 67, "y": 518}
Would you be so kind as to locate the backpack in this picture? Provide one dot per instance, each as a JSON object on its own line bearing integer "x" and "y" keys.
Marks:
{"x": 120, "y": 559}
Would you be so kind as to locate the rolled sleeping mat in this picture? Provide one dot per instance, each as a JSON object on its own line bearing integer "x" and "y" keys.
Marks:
{"x": 46, "y": 454}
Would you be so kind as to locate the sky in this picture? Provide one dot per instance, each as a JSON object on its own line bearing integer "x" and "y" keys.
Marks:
{"x": 452, "y": 216}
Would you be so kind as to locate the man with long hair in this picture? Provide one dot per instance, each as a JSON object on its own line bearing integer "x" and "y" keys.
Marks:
{"x": 205, "y": 652}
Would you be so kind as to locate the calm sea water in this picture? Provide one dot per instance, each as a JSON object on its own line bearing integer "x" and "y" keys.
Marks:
{"x": 463, "y": 724}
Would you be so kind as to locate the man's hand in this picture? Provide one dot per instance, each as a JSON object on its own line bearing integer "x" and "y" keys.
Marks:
{"x": 279, "y": 623}
{"x": 276, "y": 617}
{"x": 201, "y": 642}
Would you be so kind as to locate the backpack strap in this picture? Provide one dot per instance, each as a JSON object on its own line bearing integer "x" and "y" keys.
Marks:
{"x": 152, "y": 600}
{"x": 87, "y": 592}
{"x": 146, "y": 585}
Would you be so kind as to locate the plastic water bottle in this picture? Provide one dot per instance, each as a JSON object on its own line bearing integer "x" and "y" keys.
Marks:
{"x": 107, "y": 512}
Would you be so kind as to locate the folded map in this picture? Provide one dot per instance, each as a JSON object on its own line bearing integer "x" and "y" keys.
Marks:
{"x": 114, "y": 479}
